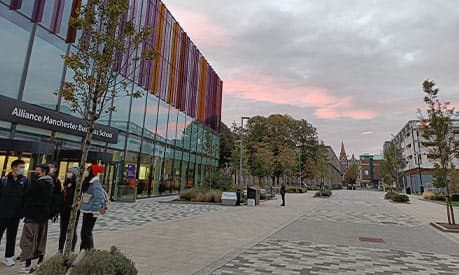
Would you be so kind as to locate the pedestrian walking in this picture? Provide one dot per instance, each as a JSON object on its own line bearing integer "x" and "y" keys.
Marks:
{"x": 282, "y": 192}
{"x": 12, "y": 189}
{"x": 94, "y": 203}
{"x": 69, "y": 192}
{"x": 37, "y": 204}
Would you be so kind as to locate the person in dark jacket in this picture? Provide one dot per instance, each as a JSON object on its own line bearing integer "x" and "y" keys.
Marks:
{"x": 282, "y": 192}
{"x": 12, "y": 188}
{"x": 69, "y": 192}
{"x": 37, "y": 208}
{"x": 58, "y": 192}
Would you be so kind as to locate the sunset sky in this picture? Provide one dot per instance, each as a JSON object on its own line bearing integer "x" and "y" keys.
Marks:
{"x": 354, "y": 69}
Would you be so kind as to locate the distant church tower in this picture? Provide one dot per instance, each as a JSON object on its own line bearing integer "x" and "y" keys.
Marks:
{"x": 343, "y": 159}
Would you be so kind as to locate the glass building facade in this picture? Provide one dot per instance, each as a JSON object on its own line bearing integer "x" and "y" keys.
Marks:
{"x": 167, "y": 139}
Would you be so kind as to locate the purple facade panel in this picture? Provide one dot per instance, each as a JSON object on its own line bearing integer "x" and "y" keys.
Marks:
{"x": 56, "y": 18}
{"x": 15, "y": 4}
{"x": 37, "y": 12}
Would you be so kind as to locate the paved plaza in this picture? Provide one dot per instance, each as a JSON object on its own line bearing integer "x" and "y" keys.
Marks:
{"x": 129, "y": 215}
{"x": 354, "y": 232}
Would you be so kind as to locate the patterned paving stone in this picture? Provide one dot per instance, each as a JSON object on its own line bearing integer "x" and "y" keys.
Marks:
{"x": 360, "y": 212}
{"x": 298, "y": 257}
{"x": 128, "y": 215}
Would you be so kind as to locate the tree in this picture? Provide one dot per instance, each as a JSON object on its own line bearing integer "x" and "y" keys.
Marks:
{"x": 352, "y": 174}
{"x": 393, "y": 163}
{"x": 109, "y": 43}
{"x": 309, "y": 171}
{"x": 454, "y": 181}
{"x": 211, "y": 148}
{"x": 261, "y": 165}
{"x": 236, "y": 152}
{"x": 322, "y": 164}
{"x": 227, "y": 140}
{"x": 440, "y": 139}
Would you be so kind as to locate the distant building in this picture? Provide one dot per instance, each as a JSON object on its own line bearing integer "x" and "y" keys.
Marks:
{"x": 343, "y": 160}
{"x": 418, "y": 173}
{"x": 370, "y": 170}
{"x": 334, "y": 169}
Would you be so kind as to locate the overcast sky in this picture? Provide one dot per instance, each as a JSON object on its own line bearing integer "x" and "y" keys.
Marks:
{"x": 354, "y": 69}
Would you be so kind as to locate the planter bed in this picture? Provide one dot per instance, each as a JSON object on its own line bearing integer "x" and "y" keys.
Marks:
{"x": 445, "y": 227}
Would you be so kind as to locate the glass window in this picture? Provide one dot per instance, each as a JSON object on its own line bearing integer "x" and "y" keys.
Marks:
{"x": 45, "y": 70}
{"x": 120, "y": 144}
{"x": 15, "y": 34}
{"x": 134, "y": 144}
{"x": 150, "y": 119}
{"x": 163, "y": 116}
{"x": 172, "y": 125}
{"x": 187, "y": 133}
{"x": 137, "y": 112}
{"x": 120, "y": 116}
{"x": 181, "y": 124}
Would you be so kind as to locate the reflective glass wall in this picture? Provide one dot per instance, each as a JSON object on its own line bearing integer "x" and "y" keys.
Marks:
{"x": 164, "y": 135}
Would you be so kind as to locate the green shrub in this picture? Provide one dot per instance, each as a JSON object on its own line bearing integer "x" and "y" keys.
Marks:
{"x": 390, "y": 195}
{"x": 216, "y": 196}
{"x": 401, "y": 198}
{"x": 188, "y": 195}
{"x": 323, "y": 193}
{"x": 455, "y": 197}
{"x": 296, "y": 189}
{"x": 96, "y": 262}
{"x": 202, "y": 195}
{"x": 54, "y": 265}
{"x": 262, "y": 196}
{"x": 100, "y": 262}
{"x": 337, "y": 186}
{"x": 218, "y": 180}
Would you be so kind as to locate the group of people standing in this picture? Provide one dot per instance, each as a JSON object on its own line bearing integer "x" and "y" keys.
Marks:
{"x": 41, "y": 198}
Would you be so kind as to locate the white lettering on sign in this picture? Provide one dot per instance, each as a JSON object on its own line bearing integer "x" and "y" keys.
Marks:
{"x": 60, "y": 122}
{"x": 18, "y": 112}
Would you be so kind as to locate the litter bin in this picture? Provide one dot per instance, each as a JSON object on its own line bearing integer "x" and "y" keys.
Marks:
{"x": 408, "y": 190}
{"x": 253, "y": 193}
{"x": 422, "y": 189}
{"x": 238, "y": 196}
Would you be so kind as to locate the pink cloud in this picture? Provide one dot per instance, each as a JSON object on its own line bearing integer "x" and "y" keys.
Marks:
{"x": 366, "y": 133}
{"x": 284, "y": 91}
{"x": 201, "y": 28}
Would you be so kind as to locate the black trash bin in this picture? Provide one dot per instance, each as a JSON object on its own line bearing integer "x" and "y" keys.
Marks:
{"x": 253, "y": 193}
{"x": 238, "y": 197}
{"x": 422, "y": 189}
{"x": 408, "y": 190}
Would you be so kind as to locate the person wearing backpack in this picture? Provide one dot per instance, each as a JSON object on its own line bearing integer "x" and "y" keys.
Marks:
{"x": 12, "y": 190}
{"x": 93, "y": 203}
{"x": 69, "y": 192}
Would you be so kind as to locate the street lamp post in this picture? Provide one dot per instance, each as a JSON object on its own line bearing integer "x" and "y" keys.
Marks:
{"x": 420, "y": 174}
{"x": 240, "y": 160}
{"x": 299, "y": 166}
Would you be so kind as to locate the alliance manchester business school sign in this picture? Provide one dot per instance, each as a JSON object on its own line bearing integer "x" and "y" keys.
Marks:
{"x": 23, "y": 113}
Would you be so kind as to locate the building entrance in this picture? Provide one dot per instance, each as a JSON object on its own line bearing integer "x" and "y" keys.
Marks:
{"x": 32, "y": 153}
{"x": 71, "y": 158}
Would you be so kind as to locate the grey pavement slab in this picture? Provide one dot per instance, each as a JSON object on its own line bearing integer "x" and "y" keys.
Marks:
{"x": 325, "y": 240}
{"x": 197, "y": 242}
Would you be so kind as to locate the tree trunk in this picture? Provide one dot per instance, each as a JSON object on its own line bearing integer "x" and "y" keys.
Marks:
{"x": 77, "y": 197}
{"x": 449, "y": 205}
